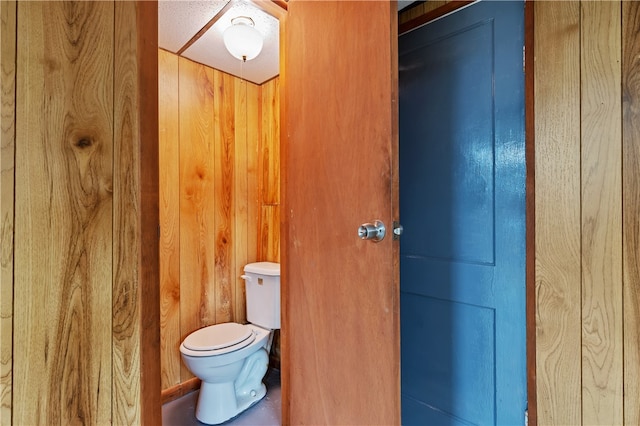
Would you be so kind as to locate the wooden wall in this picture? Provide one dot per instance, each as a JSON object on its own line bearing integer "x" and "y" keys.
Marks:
{"x": 7, "y": 193}
{"x": 81, "y": 333}
{"x": 219, "y": 198}
{"x": 587, "y": 186}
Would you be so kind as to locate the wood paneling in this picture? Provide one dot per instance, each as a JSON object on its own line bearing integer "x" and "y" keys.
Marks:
{"x": 7, "y": 161}
{"x": 601, "y": 181}
{"x": 223, "y": 229}
{"x": 586, "y": 181}
{"x": 269, "y": 245}
{"x": 197, "y": 200}
{"x": 270, "y": 142}
{"x": 86, "y": 218}
{"x": 64, "y": 187}
{"x": 269, "y": 232}
{"x": 136, "y": 277}
{"x": 146, "y": 70}
{"x": 168, "y": 141}
{"x": 213, "y": 172}
{"x": 631, "y": 206}
{"x": 558, "y": 263}
{"x": 246, "y": 186}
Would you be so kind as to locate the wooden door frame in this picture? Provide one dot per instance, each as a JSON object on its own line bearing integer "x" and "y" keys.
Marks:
{"x": 278, "y": 9}
{"x": 440, "y": 12}
{"x": 530, "y": 260}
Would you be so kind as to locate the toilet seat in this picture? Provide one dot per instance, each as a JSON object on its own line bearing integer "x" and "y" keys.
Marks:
{"x": 219, "y": 339}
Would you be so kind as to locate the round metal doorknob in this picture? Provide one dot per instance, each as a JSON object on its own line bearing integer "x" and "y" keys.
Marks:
{"x": 372, "y": 231}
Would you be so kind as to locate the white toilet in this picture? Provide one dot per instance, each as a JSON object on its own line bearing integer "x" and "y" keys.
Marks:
{"x": 231, "y": 359}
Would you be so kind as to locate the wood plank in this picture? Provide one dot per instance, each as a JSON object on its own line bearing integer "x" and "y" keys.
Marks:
{"x": 285, "y": 231}
{"x": 602, "y": 352}
{"x": 63, "y": 270}
{"x": 270, "y": 142}
{"x": 149, "y": 268}
{"x": 631, "y": 206}
{"x": 126, "y": 208}
{"x": 269, "y": 172}
{"x": 197, "y": 205}
{"x": 253, "y": 143}
{"x": 246, "y": 227}
{"x": 7, "y": 181}
{"x": 240, "y": 187}
{"x": 557, "y": 212}
{"x": 253, "y": 146}
{"x": 270, "y": 233}
{"x": 136, "y": 301}
{"x": 223, "y": 121}
{"x": 205, "y": 28}
{"x": 169, "y": 155}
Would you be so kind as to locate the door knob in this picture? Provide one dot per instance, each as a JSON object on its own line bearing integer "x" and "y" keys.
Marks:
{"x": 372, "y": 231}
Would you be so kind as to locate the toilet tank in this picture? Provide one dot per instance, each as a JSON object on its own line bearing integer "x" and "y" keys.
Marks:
{"x": 262, "y": 281}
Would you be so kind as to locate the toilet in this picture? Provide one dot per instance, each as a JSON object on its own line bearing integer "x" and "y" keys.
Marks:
{"x": 231, "y": 359}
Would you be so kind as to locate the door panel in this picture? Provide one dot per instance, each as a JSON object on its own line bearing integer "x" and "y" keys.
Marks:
{"x": 340, "y": 332}
{"x": 461, "y": 229}
{"x": 462, "y": 205}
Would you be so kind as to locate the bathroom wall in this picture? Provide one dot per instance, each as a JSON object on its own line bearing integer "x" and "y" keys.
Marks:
{"x": 79, "y": 295}
{"x": 219, "y": 198}
{"x": 8, "y": 35}
{"x": 587, "y": 214}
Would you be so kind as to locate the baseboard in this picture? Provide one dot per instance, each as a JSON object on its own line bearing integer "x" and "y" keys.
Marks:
{"x": 180, "y": 389}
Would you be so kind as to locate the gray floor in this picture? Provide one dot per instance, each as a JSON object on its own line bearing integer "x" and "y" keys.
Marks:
{"x": 267, "y": 412}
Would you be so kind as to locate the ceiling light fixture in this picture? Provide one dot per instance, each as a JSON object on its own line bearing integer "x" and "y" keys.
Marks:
{"x": 242, "y": 40}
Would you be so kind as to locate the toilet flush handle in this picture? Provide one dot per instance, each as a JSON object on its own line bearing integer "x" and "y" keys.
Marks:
{"x": 246, "y": 277}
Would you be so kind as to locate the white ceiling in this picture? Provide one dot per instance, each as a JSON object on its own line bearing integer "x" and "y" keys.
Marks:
{"x": 180, "y": 20}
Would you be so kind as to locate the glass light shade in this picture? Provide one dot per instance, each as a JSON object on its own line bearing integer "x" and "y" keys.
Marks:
{"x": 243, "y": 41}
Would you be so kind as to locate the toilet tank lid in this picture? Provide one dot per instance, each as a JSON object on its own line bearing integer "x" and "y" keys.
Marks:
{"x": 263, "y": 268}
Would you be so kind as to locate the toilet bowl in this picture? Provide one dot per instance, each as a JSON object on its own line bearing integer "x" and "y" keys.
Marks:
{"x": 231, "y": 359}
{"x": 231, "y": 375}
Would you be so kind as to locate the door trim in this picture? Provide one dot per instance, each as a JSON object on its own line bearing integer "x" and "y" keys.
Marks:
{"x": 432, "y": 15}
{"x": 530, "y": 212}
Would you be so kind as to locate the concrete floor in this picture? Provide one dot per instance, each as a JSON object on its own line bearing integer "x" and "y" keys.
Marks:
{"x": 267, "y": 412}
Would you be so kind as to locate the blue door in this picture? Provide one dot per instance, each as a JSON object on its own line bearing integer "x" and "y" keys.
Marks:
{"x": 462, "y": 205}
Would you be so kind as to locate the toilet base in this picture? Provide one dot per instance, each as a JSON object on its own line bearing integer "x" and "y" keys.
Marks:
{"x": 219, "y": 402}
